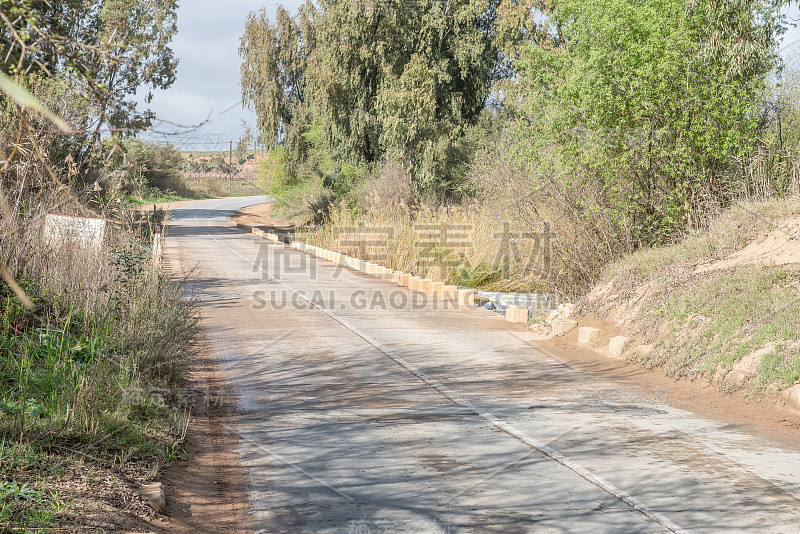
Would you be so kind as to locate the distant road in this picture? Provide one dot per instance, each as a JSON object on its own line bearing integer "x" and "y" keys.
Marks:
{"x": 369, "y": 408}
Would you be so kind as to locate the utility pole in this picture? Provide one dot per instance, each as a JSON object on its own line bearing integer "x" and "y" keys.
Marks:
{"x": 230, "y": 165}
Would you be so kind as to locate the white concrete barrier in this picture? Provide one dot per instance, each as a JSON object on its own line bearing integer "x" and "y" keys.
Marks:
{"x": 450, "y": 292}
{"x": 791, "y": 396}
{"x": 617, "y": 345}
{"x": 436, "y": 289}
{"x": 517, "y": 314}
{"x": 587, "y": 333}
{"x": 465, "y": 297}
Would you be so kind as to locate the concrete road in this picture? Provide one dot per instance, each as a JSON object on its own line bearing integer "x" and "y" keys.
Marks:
{"x": 368, "y": 408}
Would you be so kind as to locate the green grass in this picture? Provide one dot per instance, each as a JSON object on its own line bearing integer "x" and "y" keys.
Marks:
{"x": 106, "y": 386}
{"x": 703, "y": 324}
{"x": 158, "y": 199}
{"x": 717, "y": 321}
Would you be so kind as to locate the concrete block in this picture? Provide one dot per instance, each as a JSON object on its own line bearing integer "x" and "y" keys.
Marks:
{"x": 336, "y": 257}
{"x": 587, "y": 333}
{"x": 617, "y": 345}
{"x": 153, "y": 494}
{"x": 360, "y": 265}
{"x": 436, "y": 289}
{"x": 405, "y": 280}
{"x": 465, "y": 297}
{"x": 563, "y": 326}
{"x": 396, "y": 275}
{"x": 425, "y": 285}
{"x": 791, "y": 396}
{"x": 413, "y": 282}
{"x": 450, "y": 292}
{"x": 517, "y": 314}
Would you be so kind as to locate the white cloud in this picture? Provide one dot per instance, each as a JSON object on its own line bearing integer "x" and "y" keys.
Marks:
{"x": 207, "y": 45}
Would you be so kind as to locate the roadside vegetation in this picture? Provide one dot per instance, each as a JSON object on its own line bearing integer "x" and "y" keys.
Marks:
{"x": 551, "y": 115}
{"x": 95, "y": 340}
{"x": 708, "y": 312}
{"x": 636, "y": 140}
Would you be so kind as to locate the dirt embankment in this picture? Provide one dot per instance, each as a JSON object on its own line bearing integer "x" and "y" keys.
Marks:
{"x": 260, "y": 215}
{"x": 720, "y": 309}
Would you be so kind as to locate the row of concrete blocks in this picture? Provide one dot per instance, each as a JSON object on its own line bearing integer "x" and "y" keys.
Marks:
{"x": 616, "y": 345}
{"x": 464, "y": 297}
{"x": 259, "y": 232}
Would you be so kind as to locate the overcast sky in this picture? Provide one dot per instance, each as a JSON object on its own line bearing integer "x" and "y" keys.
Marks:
{"x": 207, "y": 85}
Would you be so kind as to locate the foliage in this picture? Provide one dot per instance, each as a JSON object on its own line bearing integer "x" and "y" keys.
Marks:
{"x": 146, "y": 166}
{"x": 380, "y": 78}
{"x": 306, "y": 191}
{"x": 82, "y": 43}
{"x": 636, "y": 100}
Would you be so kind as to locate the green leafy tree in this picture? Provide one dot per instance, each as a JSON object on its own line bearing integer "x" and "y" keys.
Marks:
{"x": 390, "y": 77}
{"x": 110, "y": 48}
{"x": 641, "y": 102}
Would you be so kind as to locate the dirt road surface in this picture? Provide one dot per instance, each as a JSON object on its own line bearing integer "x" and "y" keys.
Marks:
{"x": 364, "y": 407}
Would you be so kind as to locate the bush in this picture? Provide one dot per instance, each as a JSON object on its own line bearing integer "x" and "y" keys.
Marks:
{"x": 100, "y": 361}
{"x": 604, "y": 110}
{"x": 148, "y": 169}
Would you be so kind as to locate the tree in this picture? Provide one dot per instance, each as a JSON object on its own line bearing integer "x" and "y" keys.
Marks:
{"x": 274, "y": 61}
{"x": 389, "y": 77}
{"x": 642, "y": 101}
{"x": 110, "y": 48}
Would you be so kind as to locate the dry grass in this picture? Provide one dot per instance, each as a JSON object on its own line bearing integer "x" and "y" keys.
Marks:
{"x": 704, "y": 323}
{"x": 458, "y": 245}
{"x": 95, "y": 370}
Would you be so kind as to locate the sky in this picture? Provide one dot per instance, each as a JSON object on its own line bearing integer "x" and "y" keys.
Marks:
{"x": 207, "y": 87}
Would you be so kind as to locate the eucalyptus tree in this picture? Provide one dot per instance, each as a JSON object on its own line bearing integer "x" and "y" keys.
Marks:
{"x": 380, "y": 77}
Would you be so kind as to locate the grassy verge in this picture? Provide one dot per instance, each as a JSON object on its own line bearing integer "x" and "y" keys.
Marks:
{"x": 159, "y": 198}
{"x": 92, "y": 376}
{"x": 705, "y": 324}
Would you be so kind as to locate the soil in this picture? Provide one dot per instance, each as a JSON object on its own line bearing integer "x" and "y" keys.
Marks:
{"x": 780, "y": 247}
{"x": 206, "y": 492}
{"x": 261, "y": 215}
